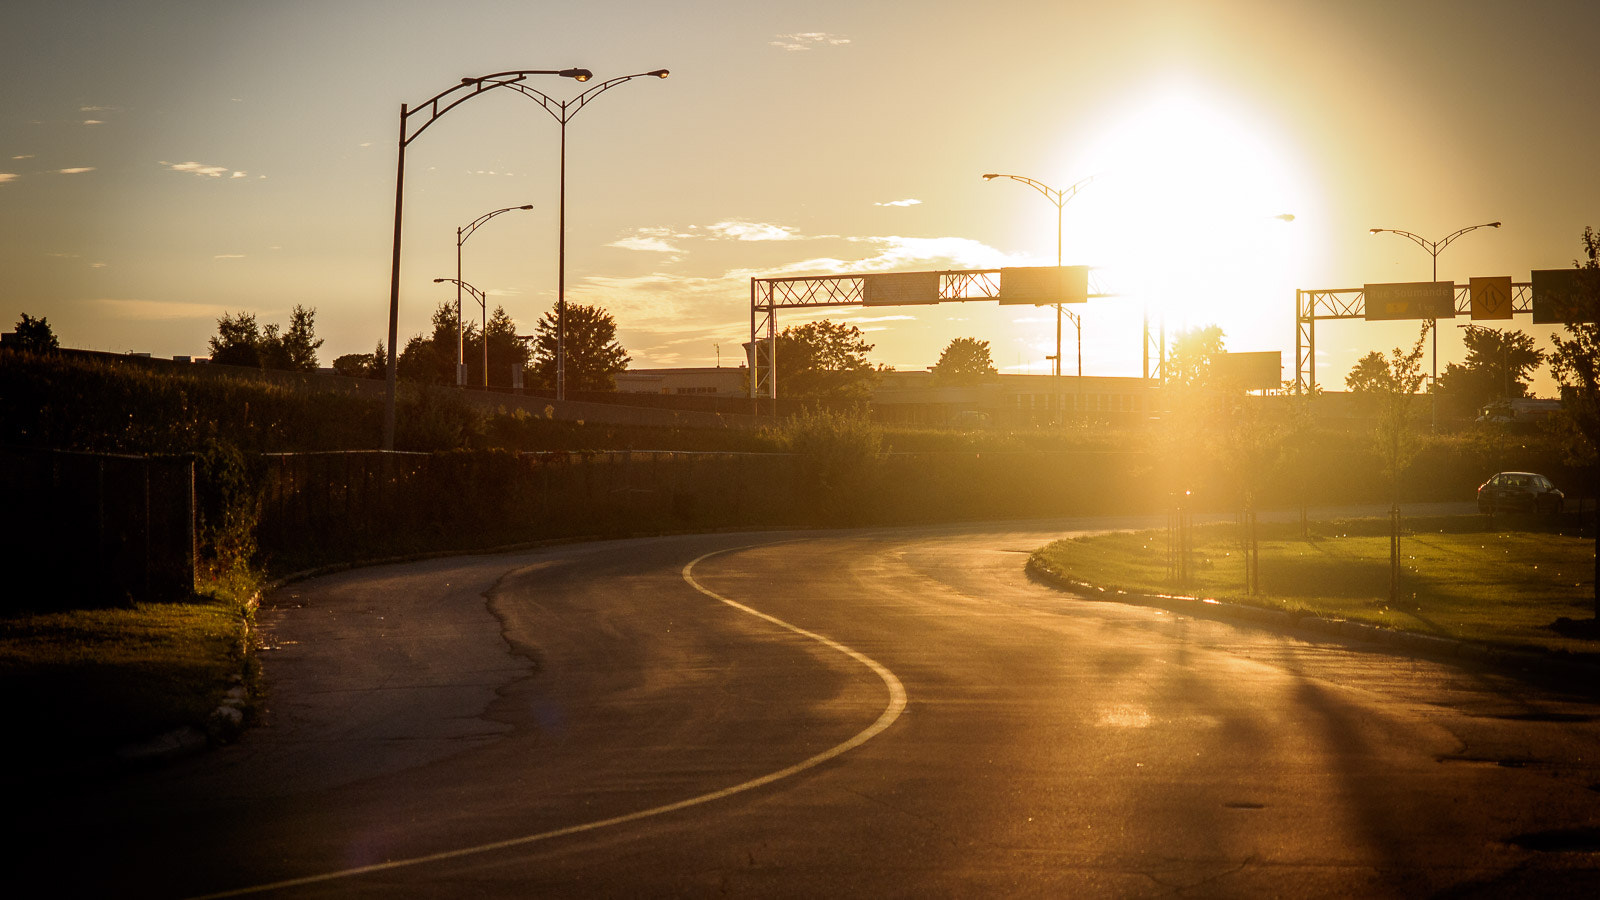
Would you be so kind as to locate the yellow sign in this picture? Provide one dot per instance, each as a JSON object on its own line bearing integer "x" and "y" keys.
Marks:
{"x": 1491, "y": 297}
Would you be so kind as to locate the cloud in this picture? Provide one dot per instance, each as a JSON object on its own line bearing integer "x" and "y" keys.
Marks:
{"x": 158, "y": 310}
{"x": 646, "y": 244}
{"x": 205, "y": 171}
{"x": 899, "y": 203}
{"x": 96, "y": 108}
{"x": 7, "y": 176}
{"x": 806, "y": 40}
{"x": 229, "y": 256}
{"x": 97, "y": 265}
{"x": 735, "y": 230}
{"x": 93, "y": 122}
{"x": 24, "y": 156}
{"x": 77, "y": 171}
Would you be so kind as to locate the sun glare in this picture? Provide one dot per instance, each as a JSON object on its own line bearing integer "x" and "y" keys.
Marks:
{"x": 1192, "y": 215}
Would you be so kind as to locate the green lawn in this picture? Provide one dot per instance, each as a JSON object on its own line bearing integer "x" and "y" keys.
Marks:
{"x": 1462, "y": 576}
{"x": 85, "y": 682}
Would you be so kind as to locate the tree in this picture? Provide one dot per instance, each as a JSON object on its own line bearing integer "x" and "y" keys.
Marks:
{"x": 1499, "y": 365}
{"x": 1575, "y": 363}
{"x": 296, "y": 349}
{"x": 1393, "y": 390}
{"x": 1370, "y": 376}
{"x": 1193, "y": 351}
{"x": 824, "y": 360}
{"x": 34, "y": 335}
{"x": 593, "y": 356}
{"x": 240, "y": 341}
{"x": 237, "y": 341}
{"x": 964, "y": 361}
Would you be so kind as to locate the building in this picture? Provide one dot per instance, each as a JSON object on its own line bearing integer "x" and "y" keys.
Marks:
{"x": 704, "y": 381}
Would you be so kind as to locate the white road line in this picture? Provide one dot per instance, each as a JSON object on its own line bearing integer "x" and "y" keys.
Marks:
{"x": 897, "y": 705}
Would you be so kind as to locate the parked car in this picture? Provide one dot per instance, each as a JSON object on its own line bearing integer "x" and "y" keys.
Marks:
{"x": 1527, "y": 492}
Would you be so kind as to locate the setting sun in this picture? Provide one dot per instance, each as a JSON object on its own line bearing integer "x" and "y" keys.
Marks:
{"x": 1196, "y": 213}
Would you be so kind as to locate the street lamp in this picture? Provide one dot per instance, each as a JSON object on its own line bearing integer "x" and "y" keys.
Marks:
{"x": 428, "y": 112}
{"x": 483, "y": 301}
{"x": 461, "y": 238}
{"x": 1434, "y": 248}
{"x": 563, "y": 111}
{"x": 1059, "y": 198}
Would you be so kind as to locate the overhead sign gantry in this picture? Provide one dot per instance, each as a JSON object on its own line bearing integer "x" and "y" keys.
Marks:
{"x": 1030, "y": 285}
{"x": 1552, "y": 297}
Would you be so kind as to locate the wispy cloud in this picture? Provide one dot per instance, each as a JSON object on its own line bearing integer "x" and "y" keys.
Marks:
{"x": 229, "y": 256}
{"x": 7, "y": 176}
{"x": 96, "y": 108}
{"x": 205, "y": 171}
{"x": 807, "y": 40}
{"x": 24, "y": 156}
{"x": 899, "y": 203}
{"x": 735, "y": 230}
{"x": 158, "y": 310}
{"x": 77, "y": 171}
{"x": 93, "y": 122}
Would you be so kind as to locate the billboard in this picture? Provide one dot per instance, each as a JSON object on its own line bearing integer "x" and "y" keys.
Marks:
{"x": 1491, "y": 297}
{"x": 1410, "y": 300}
{"x": 1255, "y": 371}
{"x": 1041, "y": 285}
{"x": 900, "y": 288}
{"x": 1565, "y": 295}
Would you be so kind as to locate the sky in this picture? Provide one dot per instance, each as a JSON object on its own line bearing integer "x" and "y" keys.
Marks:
{"x": 163, "y": 164}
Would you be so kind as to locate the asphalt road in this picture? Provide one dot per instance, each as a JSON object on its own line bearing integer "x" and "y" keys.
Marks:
{"x": 883, "y": 713}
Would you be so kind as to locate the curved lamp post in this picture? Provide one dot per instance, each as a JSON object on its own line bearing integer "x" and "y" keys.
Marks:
{"x": 563, "y": 111}
{"x": 1434, "y": 248}
{"x": 483, "y": 301}
{"x": 1059, "y": 198}
{"x": 426, "y": 113}
{"x": 461, "y": 238}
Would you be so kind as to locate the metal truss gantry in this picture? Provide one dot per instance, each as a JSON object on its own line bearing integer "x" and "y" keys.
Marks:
{"x": 1313, "y": 306}
{"x": 768, "y": 295}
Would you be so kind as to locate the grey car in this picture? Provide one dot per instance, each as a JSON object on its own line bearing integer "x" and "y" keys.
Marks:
{"x": 1527, "y": 492}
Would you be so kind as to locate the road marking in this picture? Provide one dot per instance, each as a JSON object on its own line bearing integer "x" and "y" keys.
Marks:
{"x": 897, "y": 705}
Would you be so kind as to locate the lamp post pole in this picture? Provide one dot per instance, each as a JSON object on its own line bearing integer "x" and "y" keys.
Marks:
{"x": 1434, "y": 248}
{"x": 483, "y": 302}
{"x": 461, "y": 238}
{"x": 563, "y": 111}
{"x": 1059, "y": 198}
{"x": 428, "y": 112}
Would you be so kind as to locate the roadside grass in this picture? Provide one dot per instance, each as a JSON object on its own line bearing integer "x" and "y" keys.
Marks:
{"x": 1502, "y": 583}
{"x": 82, "y": 683}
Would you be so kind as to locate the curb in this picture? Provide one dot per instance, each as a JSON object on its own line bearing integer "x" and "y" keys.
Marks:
{"x": 1575, "y": 674}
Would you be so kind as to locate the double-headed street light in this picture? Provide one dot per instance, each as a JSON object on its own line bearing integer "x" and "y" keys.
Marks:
{"x": 461, "y": 238}
{"x": 483, "y": 301}
{"x": 426, "y": 113}
{"x": 1434, "y": 248}
{"x": 1059, "y": 198}
{"x": 563, "y": 111}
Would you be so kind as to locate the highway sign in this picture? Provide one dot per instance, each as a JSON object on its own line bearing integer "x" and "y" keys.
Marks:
{"x": 900, "y": 288}
{"x": 1410, "y": 300}
{"x": 1491, "y": 297}
{"x": 1041, "y": 285}
{"x": 1565, "y": 295}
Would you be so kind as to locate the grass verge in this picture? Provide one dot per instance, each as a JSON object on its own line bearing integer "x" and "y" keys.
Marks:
{"x": 80, "y": 684}
{"x": 1463, "y": 577}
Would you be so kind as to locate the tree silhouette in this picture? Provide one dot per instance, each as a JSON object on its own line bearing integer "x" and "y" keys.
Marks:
{"x": 964, "y": 361}
{"x": 593, "y": 356}
{"x": 1575, "y": 363}
{"x": 1499, "y": 365}
{"x": 34, "y": 335}
{"x": 240, "y": 341}
{"x": 825, "y": 360}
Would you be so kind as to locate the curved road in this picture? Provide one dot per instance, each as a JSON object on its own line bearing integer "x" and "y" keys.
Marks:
{"x": 887, "y": 713}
